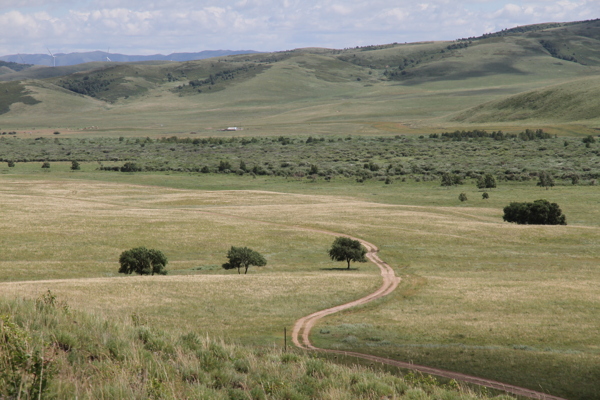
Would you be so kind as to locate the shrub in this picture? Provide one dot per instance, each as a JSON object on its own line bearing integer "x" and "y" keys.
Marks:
{"x": 486, "y": 182}
{"x": 451, "y": 179}
{"x": 130, "y": 167}
{"x": 485, "y": 196}
{"x": 545, "y": 180}
{"x": 24, "y": 372}
{"x": 540, "y": 212}
{"x": 46, "y": 165}
{"x": 462, "y": 197}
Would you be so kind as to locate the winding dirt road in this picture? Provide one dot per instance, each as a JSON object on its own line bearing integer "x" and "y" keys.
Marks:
{"x": 302, "y": 328}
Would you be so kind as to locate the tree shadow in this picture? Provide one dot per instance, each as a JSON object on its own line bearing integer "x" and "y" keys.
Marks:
{"x": 339, "y": 269}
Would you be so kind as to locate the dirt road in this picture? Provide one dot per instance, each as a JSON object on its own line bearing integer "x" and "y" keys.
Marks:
{"x": 302, "y": 328}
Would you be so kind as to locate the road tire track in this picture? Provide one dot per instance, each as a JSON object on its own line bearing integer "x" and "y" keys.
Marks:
{"x": 302, "y": 328}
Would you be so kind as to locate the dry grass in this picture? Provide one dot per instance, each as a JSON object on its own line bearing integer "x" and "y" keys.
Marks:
{"x": 474, "y": 288}
{"x": 248, "y": 308}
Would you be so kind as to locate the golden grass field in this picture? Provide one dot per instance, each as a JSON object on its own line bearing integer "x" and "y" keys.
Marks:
{"x": 472, "y": 284}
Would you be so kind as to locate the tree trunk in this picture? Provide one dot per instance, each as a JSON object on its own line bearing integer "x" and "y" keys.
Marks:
{"x": 348, "y": 264}
{"x": 239, "y": 272}
{"x": 246, "y": 271}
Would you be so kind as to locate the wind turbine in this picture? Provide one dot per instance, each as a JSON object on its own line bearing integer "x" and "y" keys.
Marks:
{"x": 53, "y": 57}
{"x": 107, "y": 53}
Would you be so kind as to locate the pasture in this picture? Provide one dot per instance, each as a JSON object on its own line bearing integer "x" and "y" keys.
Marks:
{"x": 513, "y": 303}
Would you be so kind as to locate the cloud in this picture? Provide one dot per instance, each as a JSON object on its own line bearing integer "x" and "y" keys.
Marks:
{"x": 149, "y": 26}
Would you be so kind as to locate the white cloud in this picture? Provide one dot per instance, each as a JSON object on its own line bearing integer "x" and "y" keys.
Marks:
{"x": 148, "y": 26}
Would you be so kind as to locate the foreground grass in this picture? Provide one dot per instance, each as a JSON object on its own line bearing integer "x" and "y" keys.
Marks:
{"x": 89, "y": 357}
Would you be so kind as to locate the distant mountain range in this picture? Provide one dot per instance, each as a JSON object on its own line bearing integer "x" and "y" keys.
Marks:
{"x": 61, "y": 59}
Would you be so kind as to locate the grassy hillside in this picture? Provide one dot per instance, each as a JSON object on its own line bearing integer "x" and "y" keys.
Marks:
{"x": 577, "y": 100}
{"x": 53, "y": 352}
{"x": 394, "y": 88}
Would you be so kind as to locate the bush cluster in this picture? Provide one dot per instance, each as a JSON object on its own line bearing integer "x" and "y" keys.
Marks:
{"x": 361, "y": 158}
{"x": 540, "y": 212}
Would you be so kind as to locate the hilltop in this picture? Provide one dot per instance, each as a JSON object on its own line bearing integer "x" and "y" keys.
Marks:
{"x": 392, "y": 88}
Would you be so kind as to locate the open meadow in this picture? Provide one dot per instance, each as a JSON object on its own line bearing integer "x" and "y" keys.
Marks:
{"x": 514, "y": 303}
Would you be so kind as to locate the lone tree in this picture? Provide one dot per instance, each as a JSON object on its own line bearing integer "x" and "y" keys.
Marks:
{"x": 545, "y": 180}
{"x": 75, "y": 165}
{"x": 540, "y": 212}
{"x": 143, "y": 261}
{"x": 243, "y": 257}
{"x": 346, "y": 249}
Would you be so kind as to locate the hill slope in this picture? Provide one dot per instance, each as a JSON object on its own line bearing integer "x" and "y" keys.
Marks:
{"x": 388, "y": 88}
{"x": 573, "y": 101}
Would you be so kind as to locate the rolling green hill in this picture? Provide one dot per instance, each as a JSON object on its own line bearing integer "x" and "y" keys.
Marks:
{"x": 393, "y": 88}
{"x": 578, "y": 100}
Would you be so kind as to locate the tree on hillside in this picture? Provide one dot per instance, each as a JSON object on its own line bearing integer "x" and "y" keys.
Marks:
{"x": 143, "y": 261}
{"x": 540, "y": 212}
{"x": 243, "y": 257}
{"x": 346, "y": 249}
{"x": 75, "y": 165}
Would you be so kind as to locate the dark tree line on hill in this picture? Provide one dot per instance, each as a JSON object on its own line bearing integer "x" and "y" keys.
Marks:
{"x": 15, "y": 66}
{"x": 555, "y": 52}
{"x": 88, "y": 85}
{"x": 213, "y": 79}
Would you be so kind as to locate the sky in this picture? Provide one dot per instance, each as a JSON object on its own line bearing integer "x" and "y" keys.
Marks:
{"x": 144, "y": 27}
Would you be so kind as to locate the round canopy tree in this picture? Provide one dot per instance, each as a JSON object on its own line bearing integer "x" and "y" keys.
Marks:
{"x": 346, "y": 249}
{"x": 243, "y": 257}
{"x": 143, "y": 261}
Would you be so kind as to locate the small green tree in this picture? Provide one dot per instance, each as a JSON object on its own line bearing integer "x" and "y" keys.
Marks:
{"x": 11, "y": 164}
{"x": 574, "y": 179}
{"x": 449, "y": 179}
{"x": 346, "y": 249}
{"x": 545, "y": 180}
{"x": 485, "y": 196}
{"x": 488, "y": 181}
{"x": 243, "y": 257}
{"x": 143, "y": 261}
{"x": 588, "y": 140}
{"x": 224, "y": 166}
{"x": 46, "y": 165}
{"x": 462, "y": 197}
{"x": 75, "y": 166}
